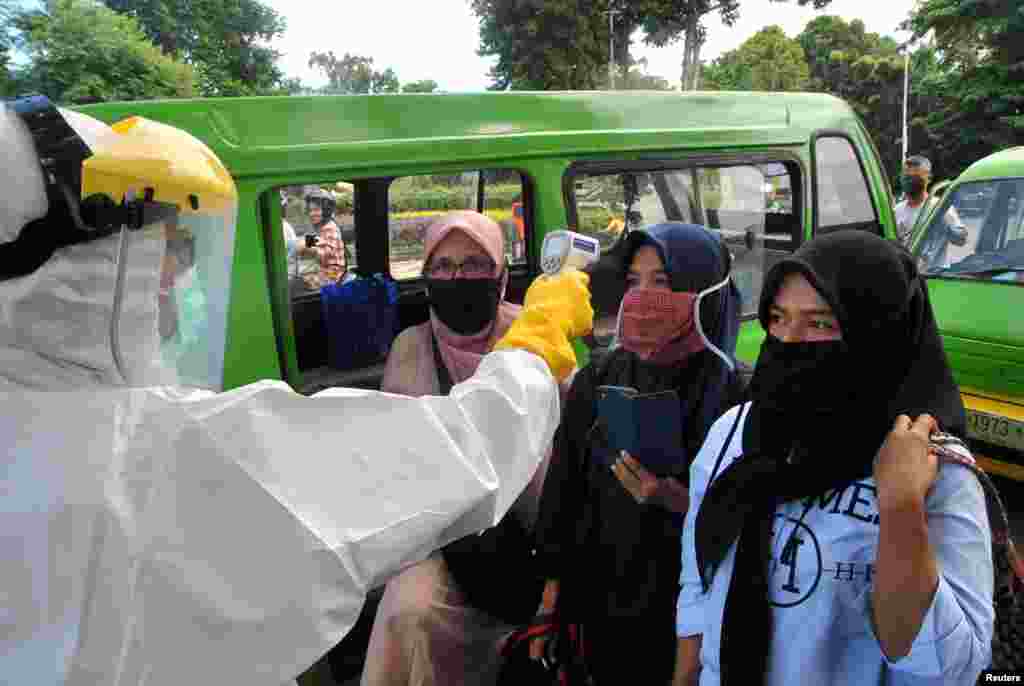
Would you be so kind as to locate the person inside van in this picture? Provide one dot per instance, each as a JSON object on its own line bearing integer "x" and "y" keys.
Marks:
{"x": 608, "y": 531}
{"x": 440, "y": 621}
{"x": 326, "y": 245}
{"x": 825, "y": 543}
{"x": 291, "y": 240}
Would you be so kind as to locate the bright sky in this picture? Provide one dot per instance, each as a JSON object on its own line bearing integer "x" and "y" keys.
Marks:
{"x": 438, "y": 39}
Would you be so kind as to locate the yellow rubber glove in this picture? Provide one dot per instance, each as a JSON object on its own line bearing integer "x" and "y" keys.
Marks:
{"x": 556, "y": 309}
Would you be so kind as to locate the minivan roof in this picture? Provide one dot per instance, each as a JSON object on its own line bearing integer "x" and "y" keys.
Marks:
{"x": 1005, "y": 163}
{"x": 289, "y": 134}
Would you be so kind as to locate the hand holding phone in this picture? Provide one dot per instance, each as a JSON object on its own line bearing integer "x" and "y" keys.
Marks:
{"x": 312, "y": 240}
{"x": 648, "y": 426}
{"x": 668, "y": 492}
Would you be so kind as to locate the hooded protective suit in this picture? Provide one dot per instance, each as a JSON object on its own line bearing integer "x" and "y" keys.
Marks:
{"x": 161, "y": 535}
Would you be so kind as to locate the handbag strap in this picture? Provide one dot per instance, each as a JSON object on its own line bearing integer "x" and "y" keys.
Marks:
{"x": 728, "y": 442}
{"x": 999, "y": 522}
{"x": 444, "y": 377}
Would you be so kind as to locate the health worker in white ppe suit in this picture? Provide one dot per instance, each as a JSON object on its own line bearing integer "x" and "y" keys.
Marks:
{"x": 155, "y": 532}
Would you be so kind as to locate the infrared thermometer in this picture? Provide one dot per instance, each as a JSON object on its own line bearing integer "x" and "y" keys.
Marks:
{"x": 565, "y": 249}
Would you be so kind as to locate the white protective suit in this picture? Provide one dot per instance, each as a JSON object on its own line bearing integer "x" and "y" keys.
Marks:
{"x": 159, "y": 536}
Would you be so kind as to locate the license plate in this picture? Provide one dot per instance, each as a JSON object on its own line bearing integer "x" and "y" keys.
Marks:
{"x": 995, "y": 429}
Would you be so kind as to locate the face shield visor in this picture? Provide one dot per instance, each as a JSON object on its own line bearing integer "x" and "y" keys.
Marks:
{"x": 174, "y": 252}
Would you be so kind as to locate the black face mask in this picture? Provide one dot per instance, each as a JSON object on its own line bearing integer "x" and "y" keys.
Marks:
{"x": 913, "y": 185}
{"x": 799, "y": 376}
{"x": 465, "y": 306}
{"x": 800, "y": 389}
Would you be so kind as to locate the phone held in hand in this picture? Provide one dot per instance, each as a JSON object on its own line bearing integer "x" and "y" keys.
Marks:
{"x": 648, "y": 426}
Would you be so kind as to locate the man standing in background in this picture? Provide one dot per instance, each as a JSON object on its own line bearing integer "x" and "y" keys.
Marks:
{"x": 917, "y": 173}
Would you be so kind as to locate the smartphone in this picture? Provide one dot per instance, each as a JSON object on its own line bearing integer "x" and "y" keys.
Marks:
{"x": 648, "y": 426}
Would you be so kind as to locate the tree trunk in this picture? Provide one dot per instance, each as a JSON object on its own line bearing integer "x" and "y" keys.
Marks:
{"x": 695, "y": 64}
{"x": 691, "y": 53}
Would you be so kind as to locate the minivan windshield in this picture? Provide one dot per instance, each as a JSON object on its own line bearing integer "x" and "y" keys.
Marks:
{"x": 977, "y": 233}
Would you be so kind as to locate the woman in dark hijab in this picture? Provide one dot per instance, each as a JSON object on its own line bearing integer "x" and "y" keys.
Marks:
{"x": 609, "y": 547}
{"x": 832, "y": 547}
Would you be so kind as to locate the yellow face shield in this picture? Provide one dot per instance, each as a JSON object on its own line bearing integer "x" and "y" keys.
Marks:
{"x": 144, "y": 155}
{"x": 178, "y": 205}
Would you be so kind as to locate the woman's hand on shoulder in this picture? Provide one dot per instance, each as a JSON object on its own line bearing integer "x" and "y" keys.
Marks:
{"x": 646, "y": 488}
{"x": 906, "y": 466}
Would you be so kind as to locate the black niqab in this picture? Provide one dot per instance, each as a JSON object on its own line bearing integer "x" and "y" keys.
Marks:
{"x": 802, "y": 442}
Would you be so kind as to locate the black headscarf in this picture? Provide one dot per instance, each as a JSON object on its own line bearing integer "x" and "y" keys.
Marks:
{"x": 820, "y": 412}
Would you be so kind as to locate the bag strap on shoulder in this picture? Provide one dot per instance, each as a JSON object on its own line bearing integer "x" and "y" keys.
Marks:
{"x": 444, "y": 377}
{"x": 945, "y": 446}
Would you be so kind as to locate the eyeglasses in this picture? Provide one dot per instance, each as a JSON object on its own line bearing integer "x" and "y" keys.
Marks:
{"x": 473, "y": 267}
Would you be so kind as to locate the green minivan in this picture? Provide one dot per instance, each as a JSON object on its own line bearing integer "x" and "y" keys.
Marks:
{"x": 970, "y": 244}
{"x": 767, "y": 170}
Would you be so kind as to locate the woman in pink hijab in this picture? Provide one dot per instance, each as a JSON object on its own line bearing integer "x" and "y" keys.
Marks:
{"x": 427, "y": 630}
{"x": 464, "y": 267}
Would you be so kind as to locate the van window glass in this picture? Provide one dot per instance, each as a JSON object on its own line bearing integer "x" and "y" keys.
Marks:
{"x": 415, "y": 201}
{"x": 297, "y": 216}
{"x": 843, "y": 195}
{"x": 978, "y": 233}
{"x": 752, "y": 206}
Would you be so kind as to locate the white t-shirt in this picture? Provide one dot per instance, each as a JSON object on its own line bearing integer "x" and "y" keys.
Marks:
{"x": 905, "y": 218}
{"x": 821, "y": 588}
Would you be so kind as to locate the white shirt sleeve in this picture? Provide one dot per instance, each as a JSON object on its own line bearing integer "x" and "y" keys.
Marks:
{"x": 955, "y": 640}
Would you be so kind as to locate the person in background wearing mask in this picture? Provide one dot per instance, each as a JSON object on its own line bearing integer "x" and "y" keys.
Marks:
{"x": 917, "y": 175}
{"x": 158, "y": 534}
{"x": 917, "y": 172}
{"x": 440, "y": 621}
{"x": 825, "y": 542}
{"x": 327, "y": 245}
{"x": 609, "y": 531}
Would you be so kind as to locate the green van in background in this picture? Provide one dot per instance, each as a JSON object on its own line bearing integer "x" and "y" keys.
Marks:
{"x": 977, "y": 289}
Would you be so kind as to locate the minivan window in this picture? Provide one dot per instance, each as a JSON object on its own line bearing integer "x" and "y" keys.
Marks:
{"x": 415, "y": 201}
{"x": 753, "y": 206}
{"x": 978, "y": 233}
{"x": 843, "y": 198}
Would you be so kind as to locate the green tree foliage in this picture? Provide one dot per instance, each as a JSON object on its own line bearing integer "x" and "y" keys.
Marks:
{"x": 563, "y": 44}
{"x": 727, "y": 72}
{"x": 978, "y": 90}
{"x": 353, "y": 74}
{"x": 767, "y": 61}
{"x": 424, "y": 86}
{"x": 225, "y": 40}
{"x": 82, "y": 52}
{"x": 544, "y": 44}
{"x": 6, "y": 43}
{"x": 825, "y": 35}
{"x": 966, "y": 90}
{"x": 866, "y": 70}
{"x": 668, "y": 21}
